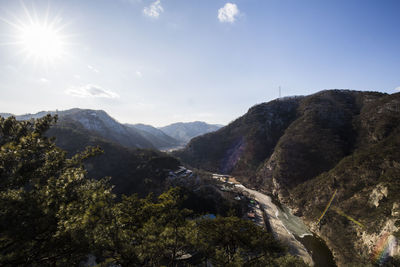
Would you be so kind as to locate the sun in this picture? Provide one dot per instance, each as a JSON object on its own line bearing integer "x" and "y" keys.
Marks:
{"x": 41, "y": 41}
{"x": 39, "y": 37}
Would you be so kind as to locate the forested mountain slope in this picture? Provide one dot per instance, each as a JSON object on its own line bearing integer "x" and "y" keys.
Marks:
{"x": 131, "y": 170}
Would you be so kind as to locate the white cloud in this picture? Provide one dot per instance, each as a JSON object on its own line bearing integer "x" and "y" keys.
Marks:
{"x": 91, "y": 90}
{"x": 228, "y": 13}
{"x": 397, "y": 88}
{"x": 90, "y": 67}
{"x": 43, "y": 80}
{"x": 154, "y": 10}
{"x": 139, "y": 74}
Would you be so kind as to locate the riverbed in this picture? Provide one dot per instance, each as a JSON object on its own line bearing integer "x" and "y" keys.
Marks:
{"x": 291, "y": 230}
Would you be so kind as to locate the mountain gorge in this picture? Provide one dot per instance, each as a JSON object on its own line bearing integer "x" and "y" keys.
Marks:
{"x": 185, "y": 131}
{"x": 304, "y": 149}
{"x": 158, "y": 138}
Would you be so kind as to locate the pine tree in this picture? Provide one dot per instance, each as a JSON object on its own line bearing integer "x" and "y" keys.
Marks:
{"x": 50, "y": 211}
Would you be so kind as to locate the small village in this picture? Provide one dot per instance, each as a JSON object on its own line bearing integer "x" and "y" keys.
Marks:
{"x": 230, "y": 186}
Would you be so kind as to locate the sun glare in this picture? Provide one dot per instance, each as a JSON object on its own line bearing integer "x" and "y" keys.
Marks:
{"x": 41, "y": 41}
{"x": 38, "y": 37}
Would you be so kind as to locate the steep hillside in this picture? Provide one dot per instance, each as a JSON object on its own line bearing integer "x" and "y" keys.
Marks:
{"x": 242, "y": 146}
{"x": 184, "y": 131}
{"x": 157, "y": 137}
{"x": 303, "y": 149}
{"x": 367, "y": 184}
{"x": 325, "y": 131}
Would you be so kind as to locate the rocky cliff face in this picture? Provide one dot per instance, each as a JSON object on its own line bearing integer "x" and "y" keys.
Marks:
{"x": 304, "y": 149}
{"x": 363, "y": 221}
{"x": 243, "y": 145}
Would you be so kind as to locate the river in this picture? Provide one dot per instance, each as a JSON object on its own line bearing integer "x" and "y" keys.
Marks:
{"x": 320, "y": 253}
{"x": 291, "y": 231}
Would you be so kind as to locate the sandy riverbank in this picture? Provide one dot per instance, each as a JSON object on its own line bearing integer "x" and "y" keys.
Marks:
{"x": 279, "y": 230}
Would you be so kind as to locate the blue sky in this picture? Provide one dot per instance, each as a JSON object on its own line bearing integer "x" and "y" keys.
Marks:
{"x": 159, "y": 62}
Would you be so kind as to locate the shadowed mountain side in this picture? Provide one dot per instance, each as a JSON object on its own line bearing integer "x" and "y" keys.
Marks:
{"x": 240, "y": 147}
{"x": 324, "y": 132}
{"x": 332, "y": 140}
{"x": 368, "y": 186}
{"x": 131, "y": 170}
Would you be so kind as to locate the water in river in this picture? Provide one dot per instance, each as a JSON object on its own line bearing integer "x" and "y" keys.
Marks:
{"x": 319, "y": 251}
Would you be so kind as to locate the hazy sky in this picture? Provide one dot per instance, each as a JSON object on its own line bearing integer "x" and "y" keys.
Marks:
{"x": 158, "y": 62}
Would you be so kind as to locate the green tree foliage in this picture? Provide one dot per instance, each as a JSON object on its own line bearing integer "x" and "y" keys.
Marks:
{"x": 51, "y": 213}
{"x": 151, "y": 232}
{"x": 230, "y": 241}
{"x": 49, "y": 209}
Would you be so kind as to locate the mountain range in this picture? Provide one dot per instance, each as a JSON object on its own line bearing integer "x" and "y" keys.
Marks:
{"x": 336, "y": 144}
{"x": 102, "y": 125}
{"x": 131, "y": 157}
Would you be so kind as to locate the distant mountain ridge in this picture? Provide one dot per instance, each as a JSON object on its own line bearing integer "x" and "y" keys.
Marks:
{"x": 157, "y": 137}
{"x": 185, "y": 131}
{"x": 102, "y": 125}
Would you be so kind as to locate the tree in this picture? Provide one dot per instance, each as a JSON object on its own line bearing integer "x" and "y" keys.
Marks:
{"x": 231, "y": 241}
{"x": 152, "y": 232}
{"x": 49, "y": 210}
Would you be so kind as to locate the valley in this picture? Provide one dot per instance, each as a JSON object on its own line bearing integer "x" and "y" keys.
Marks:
{"x": 287, "y": 158}
{"x": 202, "y": 133}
